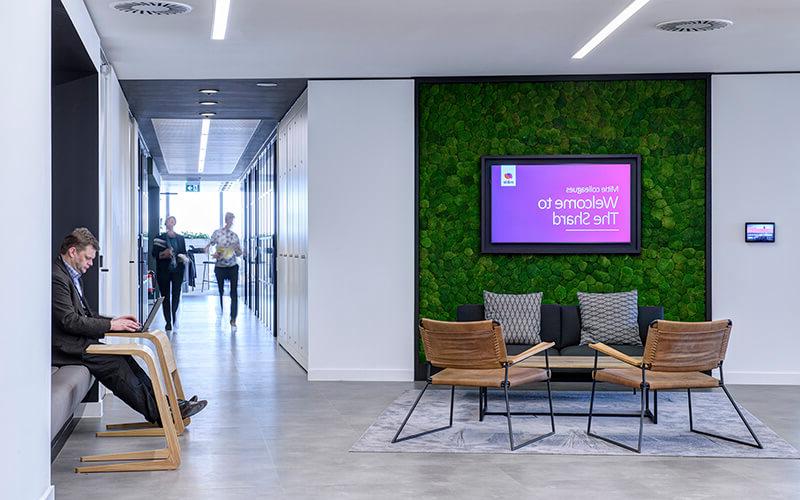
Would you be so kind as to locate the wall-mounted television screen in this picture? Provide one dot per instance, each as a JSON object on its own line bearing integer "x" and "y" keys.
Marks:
{"x": 759, "y": 232}
{"x": 561, "y": 204}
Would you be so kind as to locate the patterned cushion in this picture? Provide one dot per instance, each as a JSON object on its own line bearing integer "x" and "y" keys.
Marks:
{"x": 611, "y": 318}
{"x": 519, "y": 315}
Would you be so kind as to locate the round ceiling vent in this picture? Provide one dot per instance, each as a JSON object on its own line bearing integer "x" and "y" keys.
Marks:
{"x": 152, "y": 8}
{"x": 694, "y": 25}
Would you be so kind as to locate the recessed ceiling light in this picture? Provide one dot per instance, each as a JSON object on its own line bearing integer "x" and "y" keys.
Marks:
{"x": 221, "y": 8}
{"x": 610, "y": 27}
{"x": 266, "y": 84}
{"x": 209, "y": 103}
{"x": 207, "y": 114}
{"x": 208, "y": 91}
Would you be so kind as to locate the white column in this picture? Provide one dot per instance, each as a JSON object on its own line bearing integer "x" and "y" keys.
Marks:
{"x": 25, "y": 253}
{"x": 361, "y": 230}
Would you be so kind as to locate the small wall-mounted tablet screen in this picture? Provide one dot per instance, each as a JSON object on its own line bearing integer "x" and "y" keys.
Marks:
{"x": 759, "y": 232}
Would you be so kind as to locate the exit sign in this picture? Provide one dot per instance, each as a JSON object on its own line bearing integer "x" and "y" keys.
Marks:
{"x": 193, "y": 187}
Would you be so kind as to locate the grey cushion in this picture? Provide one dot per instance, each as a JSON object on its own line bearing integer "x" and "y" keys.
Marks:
{"x": 611, "y": 318}
{"x": 519, "y": 315}
{"x": 69, "y": 385}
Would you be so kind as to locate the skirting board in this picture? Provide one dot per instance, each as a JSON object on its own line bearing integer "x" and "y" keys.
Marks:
{"x": 762, "y": 378}
{"x": 90, "y": 410}
{"x": 295, "y": 354}
{"x": 365, "y": 375}
{"x": 49, "y": 493}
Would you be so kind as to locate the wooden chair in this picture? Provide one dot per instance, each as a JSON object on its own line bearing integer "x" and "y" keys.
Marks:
{"x": 167, "y": 458}
{"x": 675, "y": 356}
{"x": 172, "y": 381}
{"x": 473, "y": 354}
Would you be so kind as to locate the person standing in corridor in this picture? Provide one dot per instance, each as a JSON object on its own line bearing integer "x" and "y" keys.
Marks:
{"x": 226, "y": 266}
{"x": 171, "y": 252}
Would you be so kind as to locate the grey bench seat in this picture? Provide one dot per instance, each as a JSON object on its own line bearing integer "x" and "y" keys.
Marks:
{"x": 69, "y": 385}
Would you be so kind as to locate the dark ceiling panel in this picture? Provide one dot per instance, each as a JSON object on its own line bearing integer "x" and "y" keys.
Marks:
{"x": 238, "y": 99}
{"x": 69, "y": 58}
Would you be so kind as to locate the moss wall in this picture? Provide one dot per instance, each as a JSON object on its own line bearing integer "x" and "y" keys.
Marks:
{"x": 662, "y": 120}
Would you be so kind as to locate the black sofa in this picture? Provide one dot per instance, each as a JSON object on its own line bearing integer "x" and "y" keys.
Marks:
{"x": 562, "y": 325}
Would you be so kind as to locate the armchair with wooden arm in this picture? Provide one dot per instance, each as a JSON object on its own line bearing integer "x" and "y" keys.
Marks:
{"x": 677, "y": 355}
{"x": 473, "y": 354}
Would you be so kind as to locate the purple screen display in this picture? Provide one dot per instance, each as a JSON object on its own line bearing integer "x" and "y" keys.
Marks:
{"x": 561, "y": 203}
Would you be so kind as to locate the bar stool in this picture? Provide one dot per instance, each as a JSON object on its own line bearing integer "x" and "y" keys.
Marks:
{"x": 206, "y": 273}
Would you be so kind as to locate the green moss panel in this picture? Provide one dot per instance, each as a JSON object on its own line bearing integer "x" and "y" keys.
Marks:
{"x": 662, "y": 120}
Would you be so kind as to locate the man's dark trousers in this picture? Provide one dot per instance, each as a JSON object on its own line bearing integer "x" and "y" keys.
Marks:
{"x": 127, "y": 381}
{"x": 172, "y": 298}
{"x": 231, "y": 274}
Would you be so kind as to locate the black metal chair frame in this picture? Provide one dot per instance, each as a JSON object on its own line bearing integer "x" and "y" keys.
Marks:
{"x": 483, "y": 399}
{"x": 644, "y": 388}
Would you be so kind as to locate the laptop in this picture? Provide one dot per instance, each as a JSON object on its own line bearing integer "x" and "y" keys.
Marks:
{"x": 152, "y": 315}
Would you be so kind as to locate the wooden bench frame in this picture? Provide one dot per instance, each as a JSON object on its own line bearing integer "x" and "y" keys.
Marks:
{"x": 172, "y": 381}
{"x": 167, "y": 458}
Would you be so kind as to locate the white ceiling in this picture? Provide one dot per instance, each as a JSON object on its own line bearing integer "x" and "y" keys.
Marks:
{"x": 180, "y": 144}
{"x": 381, "y": 38}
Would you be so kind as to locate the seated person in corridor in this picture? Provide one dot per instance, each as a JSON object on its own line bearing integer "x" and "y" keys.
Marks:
{"x": 75, "y": 327}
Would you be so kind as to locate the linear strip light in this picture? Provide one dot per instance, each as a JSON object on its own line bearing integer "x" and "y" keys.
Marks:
{"x": 221, "y": 8}
{"x": 201, "y": 160}
{"x": 615, "y": 23}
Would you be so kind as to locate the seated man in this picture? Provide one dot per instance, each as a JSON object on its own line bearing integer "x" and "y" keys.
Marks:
{"x": 75, "y": 327}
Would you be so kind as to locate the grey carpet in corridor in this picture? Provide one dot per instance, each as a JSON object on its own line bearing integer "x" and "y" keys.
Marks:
{"x": 670, "y": 437}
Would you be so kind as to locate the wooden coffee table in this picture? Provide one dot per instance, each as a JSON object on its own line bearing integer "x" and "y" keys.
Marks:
{"x": 585, "y": 363}
{"x": 575, "y": 362}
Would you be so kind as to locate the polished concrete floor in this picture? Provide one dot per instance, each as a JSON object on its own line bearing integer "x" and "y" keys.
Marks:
{"x": 269, "y": 433}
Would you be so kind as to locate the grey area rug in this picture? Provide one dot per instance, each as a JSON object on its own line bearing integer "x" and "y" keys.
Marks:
{"x": 670, "y": 437}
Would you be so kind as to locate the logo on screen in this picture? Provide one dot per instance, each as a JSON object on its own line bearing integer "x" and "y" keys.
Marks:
{"x": 508, "y": 175}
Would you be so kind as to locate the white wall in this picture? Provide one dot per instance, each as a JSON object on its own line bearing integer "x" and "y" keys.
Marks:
{"x": 25, "y": 181}
{"x": 361, "y": 230}
{"x": 756, "y": 177}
